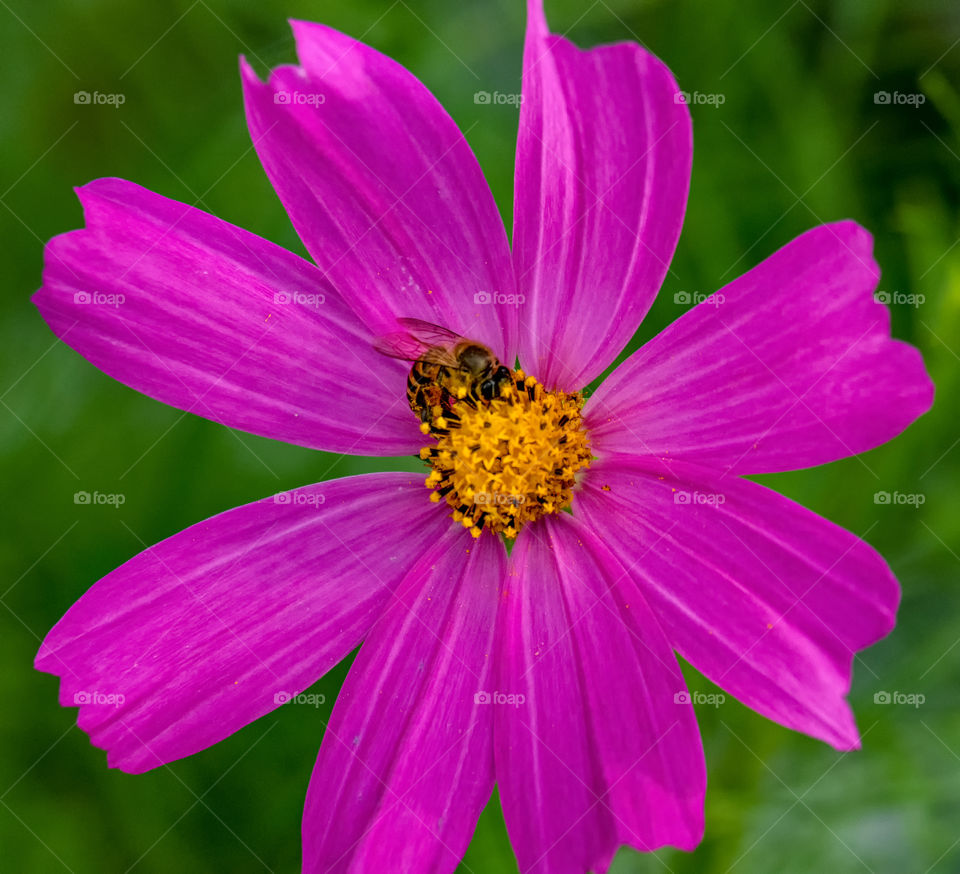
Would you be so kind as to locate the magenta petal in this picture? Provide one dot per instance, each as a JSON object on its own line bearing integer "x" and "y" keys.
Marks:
{"x": 201, "y": 634}
{"x": 383, "y": 189}
{"x": 789, "y": 366}
{"x": 603, "y": 168}
{"x": 214, "y": 320}
{"x": 767, "y": 599}
{"x": 406, "y": 763}
{"x": 604, "y": 748}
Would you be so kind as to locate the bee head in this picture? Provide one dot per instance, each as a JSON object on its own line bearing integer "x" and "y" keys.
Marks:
{"x": 490, "y": 388}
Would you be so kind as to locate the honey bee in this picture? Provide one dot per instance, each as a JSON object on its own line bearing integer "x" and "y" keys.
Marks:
{"x": 446, "y": 368}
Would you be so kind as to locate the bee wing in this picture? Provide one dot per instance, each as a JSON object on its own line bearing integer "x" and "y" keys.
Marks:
{"x": 431, "y": 334}
{"x": 406, "y": 347}
{"x": 402, "y": 346}
{"x": 422, "y": 341}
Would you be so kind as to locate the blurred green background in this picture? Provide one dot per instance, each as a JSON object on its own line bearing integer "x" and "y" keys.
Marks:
{"x": 798, "y": 139}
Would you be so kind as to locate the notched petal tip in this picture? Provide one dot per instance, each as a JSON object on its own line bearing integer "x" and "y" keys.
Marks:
{"x": 165, "y": 297}
{"x": 561, "y": 630}
{"x": 849, "y": 741}
{"x": 855, "y": 239}
{"x": 536, "y": 19}
{"x": 304, "y": 29}
{"x": 794, "y": 597}
{"x": 103, "y": 188}
{"x": 414, "y": 225}
{"x": 41, "y": 661}
{"x": 158, "y": 677}
{"x": 70, "y": 694}
{"x": 720, "y": 385}
{"x": 247, "y": 73}
{"x": 570, "y": 147}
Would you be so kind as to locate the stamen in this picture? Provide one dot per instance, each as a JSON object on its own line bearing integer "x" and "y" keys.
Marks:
{"x": 503, "y": 463}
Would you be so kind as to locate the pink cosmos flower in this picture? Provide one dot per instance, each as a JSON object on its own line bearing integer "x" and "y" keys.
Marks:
{"x": 550, "y": 671}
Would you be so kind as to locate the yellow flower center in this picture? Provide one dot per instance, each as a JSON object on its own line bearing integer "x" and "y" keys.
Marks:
{"x": 502, "y": 463}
